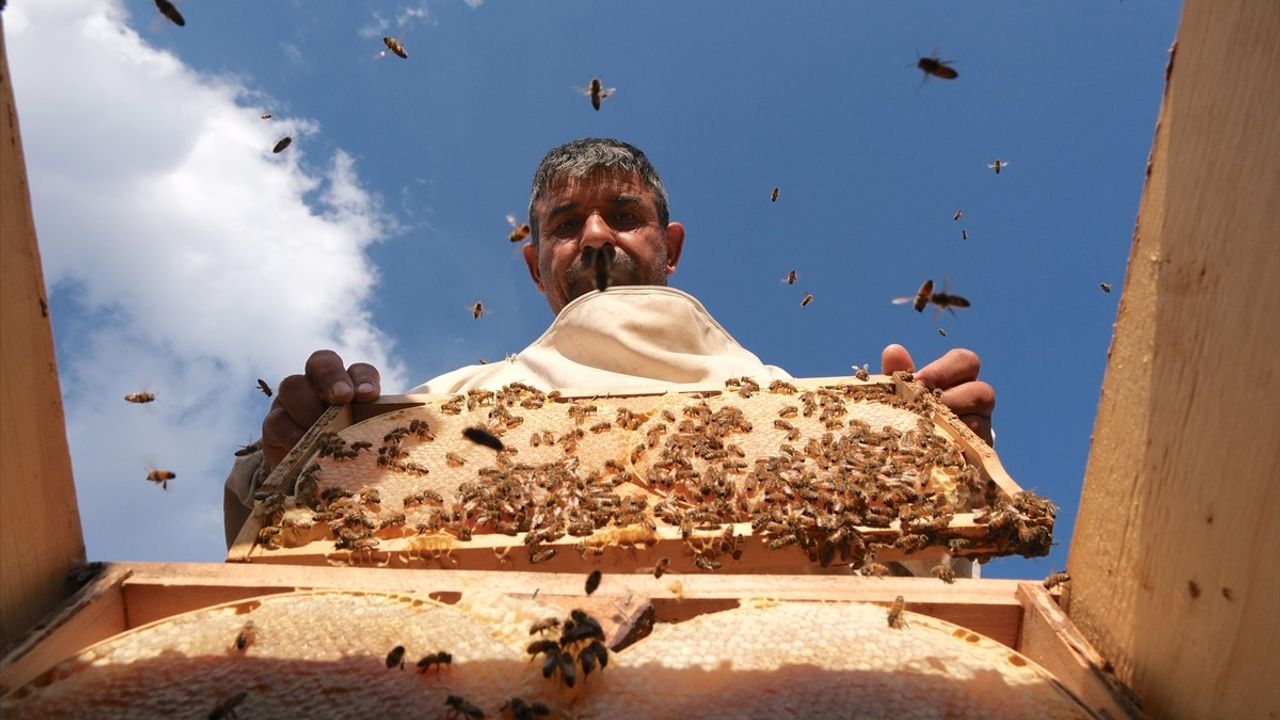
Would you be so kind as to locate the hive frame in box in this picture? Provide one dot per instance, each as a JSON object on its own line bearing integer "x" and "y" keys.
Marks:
{"x": 487, "y": 551}
{"x": 1022, "y": 615}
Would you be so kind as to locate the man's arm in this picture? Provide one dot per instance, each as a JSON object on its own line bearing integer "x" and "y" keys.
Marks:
{"x": 956, "y": 375}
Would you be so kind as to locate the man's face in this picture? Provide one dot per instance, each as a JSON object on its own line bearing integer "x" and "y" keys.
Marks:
{"x": 608, "y": 208}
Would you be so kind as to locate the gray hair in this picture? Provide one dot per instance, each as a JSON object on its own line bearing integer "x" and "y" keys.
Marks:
{"x": 582, "y": 158}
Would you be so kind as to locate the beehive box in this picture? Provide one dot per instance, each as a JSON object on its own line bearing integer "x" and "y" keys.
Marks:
{"x": 808, "y": 476}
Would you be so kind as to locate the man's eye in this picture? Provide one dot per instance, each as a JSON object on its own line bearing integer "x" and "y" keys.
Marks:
{"x": 565, "y": 227}
{"x": 625, "y": 218}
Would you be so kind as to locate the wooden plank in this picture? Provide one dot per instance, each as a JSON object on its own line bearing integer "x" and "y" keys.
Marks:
{"x": 1049, "y": 638}
{"x": 35, "y": 463}
{"x": 1175, "y": 578}
{"x": 94, "y": 613}
{"x": 158, "y": 590}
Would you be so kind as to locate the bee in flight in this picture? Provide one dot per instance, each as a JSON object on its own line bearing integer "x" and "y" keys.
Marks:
{"x": 140, "y": 397}
{"x": 964, "y": 234}
{"x": 264, "y": 387}
{"x": 265, "y": 116}
{"x": 959, "y": 214}
{"x": 998, "y": 165}
{"x": 1106, "y": 288}
{"x": 168, "y": 10}
{"x": 282, "y": 144}
{"x": 937, "y": 68}
{"x": 161, "y": 477}
{"x": 518, "y": 231}
{"x": 773, "y": 196}
{"x": 791, "y": 278}
{"x": 597, "y": 91}
{"x": 394, "y": 46}
{"x": 477, "y": 310}
{"x": 807, "y": 299}
{"x": 920, "y": 299}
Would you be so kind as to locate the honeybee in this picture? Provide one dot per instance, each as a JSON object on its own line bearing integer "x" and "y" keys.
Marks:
{"x": 248, "y": 634}
{"x": 937, "y": 67}
{"x": 459, "y": 708}
{"x": 249, "y": 449}
{"x": 874, "y": 570}
{"x": 167, "y": 9}
{"x": 396, "y": 657}
{"x": 998, "y": 165}
{"x": 283, "y": 143}
{"x": 480, "y": 436}
{"x": 964, "y": 234}
{"x": 226, "y": 709}
{"x": 519, "y": 231}
{"x": 773, "y": 196}
{"x": 1056, "y": 579}
{"x": 862, "y": 373}
{"x": 920, "y": 299}
{"x": 943, "y": 572}
{"x": 140, "y": 397}
{"x": 942, "y": 332}
{"x": 661, "y": 567}
{"x": 807, "y": 299}
{"x": 959, "y": 214}
{"x": 453, "y": 460}
{"x": 791, "y": 278}
{"x": 477, "y": 310}
{"x": 597, "y": 91}
{"x": 593, "y": 581}
{"x": 520, "y": 710}
{"x": 946, "y": 301}
{"x": 394, "y": 46}
{"x": 439, "y": 659}
{"x": 545, "y": 625}
{"x": 265, "y": 116}
{"x": 542, "y": 556}
{"x": 1106, "y": 287}
{"x": 895, "y": 613}
{"x": 264, "y": 387}
{"x": 601, "y": 259}
{"x": 161, "y": 477}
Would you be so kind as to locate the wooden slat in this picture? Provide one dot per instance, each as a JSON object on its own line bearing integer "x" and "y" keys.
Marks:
{"x": 94, "y": 613}
{"x": 39, "y": 498}
{"x": 156, "y": 591}
{"x": 1174, "y": 558}
{"x": 1049, "y": 638}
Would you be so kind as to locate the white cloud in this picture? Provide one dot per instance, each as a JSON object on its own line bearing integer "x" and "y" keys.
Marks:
{"x": 406, "y": 17}
{"x": 190, "y": 257}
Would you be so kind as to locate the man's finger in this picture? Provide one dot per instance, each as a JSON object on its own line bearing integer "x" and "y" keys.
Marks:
{"x": 971, "y": 398}
{"x": 367, "y": 381}
{"x": 958, "y": 366}
{"x": 279, "y": 434}
{"x": 329, "y": 377}
{"x": 894, "y": 358}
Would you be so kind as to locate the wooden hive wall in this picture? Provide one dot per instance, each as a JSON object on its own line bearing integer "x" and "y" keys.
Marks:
{"x": 1174, "y": 557}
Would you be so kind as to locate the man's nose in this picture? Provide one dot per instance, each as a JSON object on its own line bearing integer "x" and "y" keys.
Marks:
{"x": 596, "y": 233}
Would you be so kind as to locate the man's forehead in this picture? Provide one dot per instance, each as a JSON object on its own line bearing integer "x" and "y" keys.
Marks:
{"x": 608, "y": 182}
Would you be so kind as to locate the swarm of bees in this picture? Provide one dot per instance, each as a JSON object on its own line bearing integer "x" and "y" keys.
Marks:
{"x": 597, "y": 92}
{"x": 925, "y": 295}
{"x": 395, "y": 46}
{"x": 581, "y": 644}
{"x": 281, "y": 144}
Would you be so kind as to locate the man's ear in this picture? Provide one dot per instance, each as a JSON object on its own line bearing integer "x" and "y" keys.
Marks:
{"x": 675, "y": 243}
{"x": 531, "y": 259}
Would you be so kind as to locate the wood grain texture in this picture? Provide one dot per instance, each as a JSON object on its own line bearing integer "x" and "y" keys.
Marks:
{"x": 1173, "y": 560}
{"x": 38, "y": 496}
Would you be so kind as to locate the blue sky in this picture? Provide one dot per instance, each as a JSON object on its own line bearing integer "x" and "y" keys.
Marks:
{"x": 181, "y": 255}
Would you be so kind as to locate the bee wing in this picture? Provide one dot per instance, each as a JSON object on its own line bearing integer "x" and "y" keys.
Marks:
{"x": 901, "y": 300}
{"x": 607, "y": 92}
{"x": 511, "y": 220}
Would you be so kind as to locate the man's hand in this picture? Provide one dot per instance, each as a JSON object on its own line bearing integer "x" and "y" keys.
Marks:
{"x": 303, "y": 398}
{"x": 956, "y": 375}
